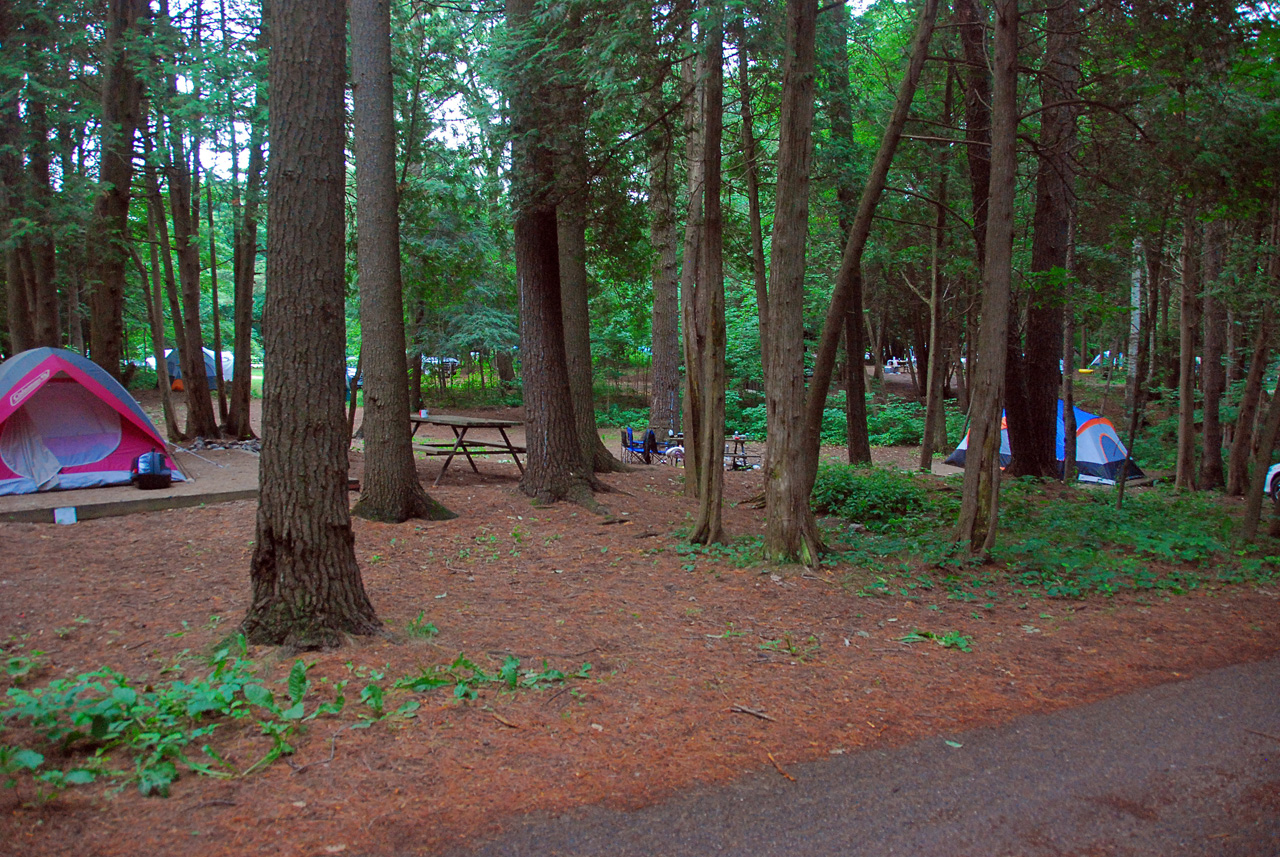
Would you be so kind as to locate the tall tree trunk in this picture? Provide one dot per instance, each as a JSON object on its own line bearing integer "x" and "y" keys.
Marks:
{"x": 155, "y": 314}
{"x": 307, "y": 590}
{"x": 217, "y": 313}
{"x": 693, "y": 84}
{"x": 1188, "y": 322}
{"x": 707, "y": 332}
{"x": 790, "y": 529}
{"x": 1212, "y": 375}
{"x": 391, "y": 491}
{"x": 238, "y": 424}
{"x": 849, "y": 277}
{"x": 980, "y": 498}
{"x": 201, "y": 421}
{"x": 1131, "y": 377}
{"x": 556, "y": 468}
{"x": 838, "y": 99}
{"x": 1069, "y": 359}
{"x": 1033, "y": 380}
{"x": 1242, "y": 442}
{"x": 44, "y": 286}
{"x": 121, "y": 97}
{"x": 1255, "y": 496}
{"x": 571, "y": 225}
{"x": 751, "y": 178}
{"x": 977, "y": 118}
{"x": 935, "y": 416}
{"x": 664, "y": 385}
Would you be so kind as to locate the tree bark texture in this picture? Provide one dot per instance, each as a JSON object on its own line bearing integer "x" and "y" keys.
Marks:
{"x": 201, "y": 420}
{"x": 571, "y": 224}
{"x": 307, "y": 589}
{"x": 751, "y": 180}
{"x": 791, "y": 532}
{"x": 858, "y": 442}
{"x": 707, "y": 331}
{"x": 1212, "y": 375}
{"x": 1189, "y": 321}
{"x": 1255, "y": 497}
{"x": 1250, "y": 400}
{"x": 693, "y": 86}
{"x": 555, "y": 468}
{"x": 849, "y": 276}
{"x": 246, "y": 259}
{"x": 121, "y": 96}
{"x": 391, "y": 491}
{"x": 980, "y": 494}
{"x": 1033, "y": 377}
{"x": 664, "y": 385}
{"x": 977, "y": 115}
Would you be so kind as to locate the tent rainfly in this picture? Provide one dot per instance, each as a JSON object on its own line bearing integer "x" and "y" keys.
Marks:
{"x": 1100, "y": 456}
{"x": 65, "y": 423}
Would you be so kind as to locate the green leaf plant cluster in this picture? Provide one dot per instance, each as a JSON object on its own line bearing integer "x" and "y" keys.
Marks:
{"x": 1053, "y": 544}
{"x": 148, "y": 734}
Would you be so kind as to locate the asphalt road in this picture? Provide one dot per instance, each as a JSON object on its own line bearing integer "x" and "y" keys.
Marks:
{"x": 1189, "y": 769}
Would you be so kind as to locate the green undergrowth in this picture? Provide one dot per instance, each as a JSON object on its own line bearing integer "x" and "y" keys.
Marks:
{"x": 106, "y": 726}
{"x": 1051, "y": 542}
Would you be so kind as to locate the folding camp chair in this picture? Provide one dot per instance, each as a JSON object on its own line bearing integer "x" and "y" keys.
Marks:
{"x": 634, "y": 451}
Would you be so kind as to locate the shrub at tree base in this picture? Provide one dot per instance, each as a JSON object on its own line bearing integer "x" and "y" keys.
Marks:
{"x": 873, "y": 496}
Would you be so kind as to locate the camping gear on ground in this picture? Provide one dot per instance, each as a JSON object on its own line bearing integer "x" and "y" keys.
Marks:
{"x": 65, "y": 423}
{"x": 150, "y": 472}
{"x": 1100, "y": 456}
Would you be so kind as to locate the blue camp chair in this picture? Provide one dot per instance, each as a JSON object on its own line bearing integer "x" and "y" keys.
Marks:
{"x": 634, "y": 451}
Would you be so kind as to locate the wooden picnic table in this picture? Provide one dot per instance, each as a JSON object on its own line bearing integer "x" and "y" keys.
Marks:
{"x": 460, "y": 426}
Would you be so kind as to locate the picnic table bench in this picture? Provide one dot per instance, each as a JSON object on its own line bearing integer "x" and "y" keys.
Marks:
{"x": 461, "y": 443}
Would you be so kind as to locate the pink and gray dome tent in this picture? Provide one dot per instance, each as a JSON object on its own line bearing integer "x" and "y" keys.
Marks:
{"x": 65, "y": 423}
{"x": 1100, "y": 456}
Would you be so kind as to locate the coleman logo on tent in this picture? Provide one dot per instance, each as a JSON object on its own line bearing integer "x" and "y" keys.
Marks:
{"x": 28, "y": 388}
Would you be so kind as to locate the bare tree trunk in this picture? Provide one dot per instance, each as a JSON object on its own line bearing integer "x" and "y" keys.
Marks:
{"x": 1189, "y": 321}
{"x": 1032, "y": 402}
{"x": 855, "y": 379}
{"x": 935, "y": 414}
{"x": 307, "y": 589}
{"x": 217, "y": 313}
{"x": 1255, "y": 496}
{"x": 693, "y": 85}
{"x": 751, "y": 170}
{"x": 980, "y": 498}
{"x": 1131, "y": 380}
{"x": 571, "y": 224}
{"x": 790, "y": 529}
{"x": 238, "y": 423}
{"x": 1069, "y": 360}
{"x": 664, "y": 388}
{"x": 555, "y": 466}
{"x": 1212, "y": 375}
{"x": 1242, "y": 442}
{"x": 849, "y": 277}
{"x": 391, "y": 491}
{"x": 155, "y": 314}
{"x": 707, "y": 332}
{"x": 121, "y": 96}
{"x": 977, "y": 118}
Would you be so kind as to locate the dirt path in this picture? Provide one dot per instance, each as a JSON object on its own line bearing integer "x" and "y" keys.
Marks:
{"x": 1189, "y": 768}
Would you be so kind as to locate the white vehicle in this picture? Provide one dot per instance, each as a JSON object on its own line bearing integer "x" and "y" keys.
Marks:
{"x": 1271, "y": 487}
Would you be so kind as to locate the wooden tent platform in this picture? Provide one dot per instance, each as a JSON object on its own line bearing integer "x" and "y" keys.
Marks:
{"x": 217, "y": 476}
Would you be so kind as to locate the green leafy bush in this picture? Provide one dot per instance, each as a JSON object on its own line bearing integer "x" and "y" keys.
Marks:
{"x": 873, "y": 496}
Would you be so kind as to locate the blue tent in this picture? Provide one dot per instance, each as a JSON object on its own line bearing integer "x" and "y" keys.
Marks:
{"x": 1100, "y": 456}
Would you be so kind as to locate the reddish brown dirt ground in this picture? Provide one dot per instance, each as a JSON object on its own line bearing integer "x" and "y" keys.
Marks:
{"x": 674, "y": 650}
